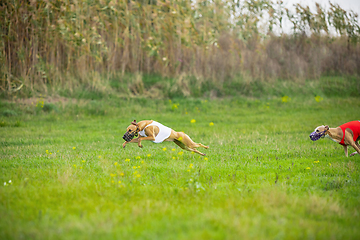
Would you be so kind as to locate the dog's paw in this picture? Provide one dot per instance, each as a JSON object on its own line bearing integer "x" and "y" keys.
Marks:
{"x": 353, "y": 154}
{"x": 140, "y": 146}
{"x": 124, "y": 144}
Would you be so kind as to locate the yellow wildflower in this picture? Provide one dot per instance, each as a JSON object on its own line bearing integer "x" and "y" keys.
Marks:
{"x": 211, "y": 124}
{"x": 180, "y": 153}
{"x": 134, "y": 167}
{"x": 142, "y": 162}
{"x": 173, "y": 158}
{"x": 180, "y": 138}
{"x": 318, "y": 99}
{"x": 119, "y": 182}
{"x": 316, "y": 161}
{"x": 138, "y": 157}
{"x": 164, "y": 149}
{"x": 112, "y": 175}
{"x": 173, "y": 149}
{"x": 285, "y": 99}
{"x": 206, "y": 159}
{"x": 149, "y": 155}
{"x": 138, "y": 175}
{"x": 174, "y": 106}
{"x": 307, "y": 168}
{"x": 135, "y": 172}
{"x": 193, "y": 121}
{"x": 121, "y": 174}
{"x": 127, "y": 160}
{"x": 74, "y": 148}
{"x": 83, "y": 160}
{"x": 116, "y": 163}
{"x": 191, "y": 165}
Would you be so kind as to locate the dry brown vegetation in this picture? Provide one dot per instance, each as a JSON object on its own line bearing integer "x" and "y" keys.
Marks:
{"x": 52, "y": 44}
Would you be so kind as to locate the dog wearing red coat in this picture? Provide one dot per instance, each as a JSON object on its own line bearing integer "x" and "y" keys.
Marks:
{"x": 346, "y": 134}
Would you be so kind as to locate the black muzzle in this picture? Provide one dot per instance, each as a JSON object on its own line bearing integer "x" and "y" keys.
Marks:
{"x": 129, "y": 136}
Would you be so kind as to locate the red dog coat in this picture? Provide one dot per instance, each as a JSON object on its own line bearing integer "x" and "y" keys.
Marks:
{"x": 355, "y": 128}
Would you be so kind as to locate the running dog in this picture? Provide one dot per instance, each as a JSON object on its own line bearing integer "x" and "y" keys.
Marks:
{"x": 156, "y": 132}
{"x": 346, "y": 134}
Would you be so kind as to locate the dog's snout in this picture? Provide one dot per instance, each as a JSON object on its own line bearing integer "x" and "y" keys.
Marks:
{"x": 125, "y": 137}
{"x": 314, "y": 136}
{"x": 128, "y": 136}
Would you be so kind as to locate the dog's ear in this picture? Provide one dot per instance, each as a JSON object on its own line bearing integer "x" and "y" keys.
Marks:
{"x": 134, "y": 123}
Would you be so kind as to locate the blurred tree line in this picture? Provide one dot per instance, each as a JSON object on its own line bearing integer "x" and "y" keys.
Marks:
{"x": 47, "y": 43}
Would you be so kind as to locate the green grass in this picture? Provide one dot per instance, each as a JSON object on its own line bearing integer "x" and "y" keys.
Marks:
{"x": 262, "y": 178}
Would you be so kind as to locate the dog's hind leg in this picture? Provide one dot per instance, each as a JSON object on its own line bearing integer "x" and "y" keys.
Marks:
{"x": 185, "y": 142}
{"x": 183, "y": 146}
{"x": 357, "y": 148}
{"x": 184, "y": 138}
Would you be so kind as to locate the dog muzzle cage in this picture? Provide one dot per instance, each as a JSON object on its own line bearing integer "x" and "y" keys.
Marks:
{"x": 129, "y": 136}
{"x": 317, "y": 135}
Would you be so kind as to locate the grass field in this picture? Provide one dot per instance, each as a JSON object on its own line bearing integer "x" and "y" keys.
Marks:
{"x": 262, "y": 178}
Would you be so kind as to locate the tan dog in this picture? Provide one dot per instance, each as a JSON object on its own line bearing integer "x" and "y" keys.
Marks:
{"x": 346, "y": 134}
{"x": 156, "y": 132}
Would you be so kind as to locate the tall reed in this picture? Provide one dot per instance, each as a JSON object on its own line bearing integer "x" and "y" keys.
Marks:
{"x": 47, "y": 43}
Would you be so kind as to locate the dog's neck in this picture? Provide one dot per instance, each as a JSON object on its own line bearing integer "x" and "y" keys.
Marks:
{"x": 143, "y": 124}
{"x": 334, "y": 134}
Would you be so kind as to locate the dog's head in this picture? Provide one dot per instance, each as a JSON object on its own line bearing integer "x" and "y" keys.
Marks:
{"x": 319, "y": 132}
{"x": 131, "y": 131}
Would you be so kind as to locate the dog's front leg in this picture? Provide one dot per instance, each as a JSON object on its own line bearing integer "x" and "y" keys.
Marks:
{"x": 346, "y": 150}
{"x": 135, "y": 140}
{"x": 150, "y": 138}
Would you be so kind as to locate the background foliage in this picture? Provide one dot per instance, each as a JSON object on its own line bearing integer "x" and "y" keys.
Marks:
{"x": 50, "y": 46}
